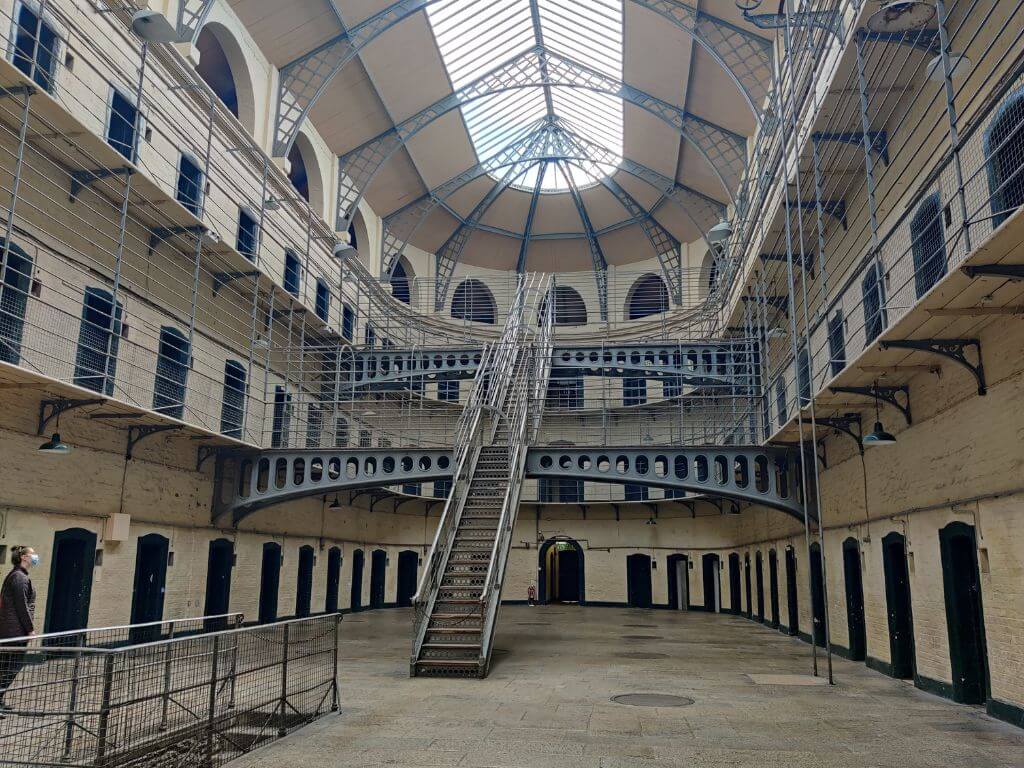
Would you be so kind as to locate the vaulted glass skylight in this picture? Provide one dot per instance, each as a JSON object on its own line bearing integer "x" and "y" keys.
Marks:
{"x": 477, "y": 37}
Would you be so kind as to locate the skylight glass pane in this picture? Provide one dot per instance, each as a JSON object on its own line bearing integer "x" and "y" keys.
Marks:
{"x": 476, "y": 37}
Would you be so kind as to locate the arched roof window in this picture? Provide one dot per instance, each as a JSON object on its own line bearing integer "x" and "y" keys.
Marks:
{"x": 473, "y": 301}
{"x": 570, "y": 309}
{"x": 648, "y": 296}
{"x": 401, "y": 282}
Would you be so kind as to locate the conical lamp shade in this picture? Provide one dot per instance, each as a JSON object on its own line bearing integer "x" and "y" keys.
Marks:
{"x": 54, "y": 446}
{"x": 878, "y": 436}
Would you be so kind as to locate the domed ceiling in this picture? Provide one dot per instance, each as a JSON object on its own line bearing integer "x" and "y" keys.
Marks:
{"x": 558, "y": 135}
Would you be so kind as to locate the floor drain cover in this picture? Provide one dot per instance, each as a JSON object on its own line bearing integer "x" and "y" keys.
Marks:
{"x": 638, "y": 655}
{"x": 652, "y": 700}
{"x": 642, "y": 637}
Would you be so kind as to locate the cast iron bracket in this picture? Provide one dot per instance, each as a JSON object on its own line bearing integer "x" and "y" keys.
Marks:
{"x": 159, "y": 235}
{"x": 204, "y": 453}
{"x": 954, "y": 349}
{"x": 1009, "y": 271}
{"x": 845, "y": 424}
{"x": 137, "y": 434}
{"x": 82, "y": 179}
{"x": 878, "y": 140}
{"x": 807, "y": 263}
{"x": 220, "y": 279}
{"x": 882, "y": 395}
{"x": 52, "y": 409}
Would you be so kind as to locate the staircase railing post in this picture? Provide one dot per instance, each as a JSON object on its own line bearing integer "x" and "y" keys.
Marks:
{"x": 104, "y": 714}
{"x": 337, "y": 646}
{"x": 166, "y": 696}
{"x": 69, "y": 726}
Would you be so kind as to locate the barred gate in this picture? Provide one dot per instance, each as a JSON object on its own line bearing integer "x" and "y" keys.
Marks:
{"x": 198, "y": 699}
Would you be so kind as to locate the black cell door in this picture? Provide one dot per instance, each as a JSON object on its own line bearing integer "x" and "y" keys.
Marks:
{"x": 304, "y": 581}
{"x": 67, "y": 604}
{"x": 773, "y": 586}
{"x": 898, "y": 606}
{"x": 378, "y": 568}
{"x": 678, "y": 567}
{"x": 568, "y": 564}
{"x": 746, "y": 585}
{"x": 333, "y": 579}
{"x": 817, "y": 595}
{"x": 407, "y": 564}
{"x": 638, "y": 580}
{"x": 759, "y": 576}
{"x": 356, "y": 595}
{"x": 854, "y": 580}
{"x": 270, "y": 582}
{"x": 792, "y": 606}
{"x": 734, "y": 583}
{"x": 150, "y": 582}
{"x": 711, "y": 591}
{"x": 219, "y": 563}
{"x": 965, "y": 618}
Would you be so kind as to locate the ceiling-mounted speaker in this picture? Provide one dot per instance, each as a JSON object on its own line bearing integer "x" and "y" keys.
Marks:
{"x": 902, "y": 16}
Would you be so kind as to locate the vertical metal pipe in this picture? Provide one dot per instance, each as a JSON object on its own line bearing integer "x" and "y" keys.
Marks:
{"x": 211, "y": 714}
{"x": 954, "y": 134}
{"x": 166, "y": 696}
{"x": 103, "y": 722}
{"x": 337, "y": 648}
{"x": 283, "y": 701}
{"x": 822, "y": 273}
{"x": 69, "y": 726}
{"x": 15, "y": 187}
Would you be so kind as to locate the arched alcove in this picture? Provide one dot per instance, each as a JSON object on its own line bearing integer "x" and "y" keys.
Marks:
{"x": 223, "y": 67}
{"x": 304, "y": 173}
{"x": 647, "y": 296}
{"x": 570, "y": 309}
{"x": 708, "y": 274}
{"x": 473, "y": 301}
{"x": 401, "y": 281}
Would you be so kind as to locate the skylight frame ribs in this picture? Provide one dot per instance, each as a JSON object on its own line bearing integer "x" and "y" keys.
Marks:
{"x": 597, "y": 258}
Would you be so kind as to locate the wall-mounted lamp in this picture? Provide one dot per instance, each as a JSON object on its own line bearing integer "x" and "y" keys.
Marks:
{"x": 959, "y": 67}
{"x": 721, "y": 232}
{"x": 153, "y": 27}
{"x": 54, "y": 446}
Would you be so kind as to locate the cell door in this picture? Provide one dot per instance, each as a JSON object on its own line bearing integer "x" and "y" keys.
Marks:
{"x": 773, "y": 586}
{"x": 898, "y": 606}
{"x": 759, "y": 577}
{"x": 408, "y": 562}
{"x": 678, "y": 582}
{"x": 356, "y": 594}
{"x": 219, "y": 563}
{"x": 333, "y": 579}
{"x": 734, "y": 583}
{"x": 964, "y": 613}
{"x": 792, "y": 606}
{"x": 747, "y": 586}
{"x": 817, "y": 595}
{"x": 568, "y": 564}
{"x": 270, "y": 582}
{"x": 70, "y": 590}
{"x": 304, "y": 581}
{"x": 853, "y": 578}
{"x": 378, "y": 566}
{"x": 712, "y": 592}
{"x": 638, "y": 580}
{"x": 150, "y": 582}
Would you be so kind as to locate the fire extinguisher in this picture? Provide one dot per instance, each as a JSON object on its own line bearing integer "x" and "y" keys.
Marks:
{"x": 531, "y": 594}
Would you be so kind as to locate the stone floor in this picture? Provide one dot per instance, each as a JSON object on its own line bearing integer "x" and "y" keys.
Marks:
{"x": 547, "y": 702}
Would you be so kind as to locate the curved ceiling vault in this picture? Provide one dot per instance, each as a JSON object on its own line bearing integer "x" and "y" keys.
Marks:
{"x": 488, "y": 131}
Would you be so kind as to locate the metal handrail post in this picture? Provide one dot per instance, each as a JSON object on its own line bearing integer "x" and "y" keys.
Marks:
{"x": 234, "y": 663}
{"x": 104, "y": 714}
{"x": 69, "y": 725}
{"x": 211, "y": 714}
{"x": 337, "y": 647}
{"x": 281, "y": 730}
{"x": 167, "y": 680}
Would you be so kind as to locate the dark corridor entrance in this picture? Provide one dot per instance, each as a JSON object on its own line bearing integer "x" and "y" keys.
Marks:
{"x": 356, "y": 595}
{"x": 678, "y": 567}
{"x": 773, "y": 586}
{"x": 218, "y": 582}
{"x": 408, "y": 561}
{"x": 67, "y": 604}
{"x": 853, "y": 578}
{"x": 759, "y": 578}
{"x": 792, "y": 606}
{"x": 561, "y": 572}
{"x": 712, "y": 586}
{"x": 150, "y": 580}
{"x": 270, "y": 582}
{"x": 898, "y": 606}
{"x": 965, "y": 618}
{"x": 378, "y": 569}
{"x": 638, "y": 580}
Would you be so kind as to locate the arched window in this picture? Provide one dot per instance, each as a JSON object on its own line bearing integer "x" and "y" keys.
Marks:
{"x": 648, "y": 296}
{"x": 569, "y": 306}
{"x": 352, "y": 239}
{"x": 98, "y": 338}
{"x": 172, "y": 363}
{"x": 233, "y": 406}
{"x": 709, "y": 272}
{"x": 215, "y": 69}
{"x": 873, "y": 294}
{"x": 297, "y": 174}
{"x": 400, "y": 282}
{"x": 928, "y": 244}
{"x": 1004, "y": 148}
{"x": 473, "y": 301}
{"x": 14, "y": 291}
{"x": 292, "y": 273}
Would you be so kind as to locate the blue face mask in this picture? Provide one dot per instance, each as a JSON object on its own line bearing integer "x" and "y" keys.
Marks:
{"x": 34, "y": 559}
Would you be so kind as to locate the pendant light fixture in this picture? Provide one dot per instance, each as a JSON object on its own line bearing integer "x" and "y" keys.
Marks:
{"x": 721, "y": 232}
{"x": 878, "y": 435}
{"x": 55, "y": 446}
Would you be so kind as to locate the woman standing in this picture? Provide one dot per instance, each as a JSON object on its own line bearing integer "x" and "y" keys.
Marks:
{"x": 17, "y": 615}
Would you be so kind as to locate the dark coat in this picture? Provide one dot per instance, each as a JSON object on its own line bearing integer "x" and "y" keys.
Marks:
{"x": 17, "y": 604}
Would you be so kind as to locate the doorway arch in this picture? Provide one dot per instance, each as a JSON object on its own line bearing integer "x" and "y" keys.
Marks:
{"x": 712, "y": 582}
{"x": 150, "y": 581}
{"x": 965, "y": 616}
{"x": 223, "y": 67}
{"x": 898, "y": 606}
{"x": 561, "y": 571}
{"x": 678, "y": 567}
{"x": 638, "y": 580}
{"x": 356, "y": 595}
{"x": 408, "y": 562}
{"x": 854, "y": 579}
{"x": 71, "y": 572}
